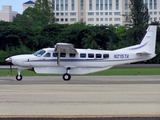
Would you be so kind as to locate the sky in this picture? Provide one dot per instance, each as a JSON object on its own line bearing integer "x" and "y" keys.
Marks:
{"x": 16, "y": 4}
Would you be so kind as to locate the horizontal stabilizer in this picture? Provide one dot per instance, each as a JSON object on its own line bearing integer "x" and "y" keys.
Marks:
{"x": 143, "y": 53}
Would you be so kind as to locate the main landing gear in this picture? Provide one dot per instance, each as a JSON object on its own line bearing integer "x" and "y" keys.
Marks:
{"x": 67, "y": 76}
{"x": 19, "y": 76}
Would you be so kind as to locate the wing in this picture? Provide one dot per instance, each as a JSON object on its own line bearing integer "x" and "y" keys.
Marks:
{"x": 65, "y": 48}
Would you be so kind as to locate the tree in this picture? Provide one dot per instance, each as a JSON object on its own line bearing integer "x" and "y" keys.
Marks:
{"x": 37, "y": 17}
{"x": 45, "y": 6}
{"x": 139, "y": 13}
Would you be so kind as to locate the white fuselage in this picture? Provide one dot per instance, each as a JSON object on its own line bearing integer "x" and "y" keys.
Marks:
{"x": 84, "y": 61}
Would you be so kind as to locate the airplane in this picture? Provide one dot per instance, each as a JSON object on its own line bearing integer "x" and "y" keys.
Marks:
{"x": 65, "y": 59}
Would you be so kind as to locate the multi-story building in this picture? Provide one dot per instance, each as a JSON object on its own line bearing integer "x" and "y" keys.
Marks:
{"x": 93, "y": 12}
{"x": 99, "y": 12}
{"x": 6, "y": 14}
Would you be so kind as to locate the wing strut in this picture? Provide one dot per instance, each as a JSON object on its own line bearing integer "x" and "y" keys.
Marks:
{"x": 58, "y": 58}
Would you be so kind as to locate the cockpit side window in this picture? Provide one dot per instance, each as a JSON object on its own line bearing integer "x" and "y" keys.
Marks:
{"x": 39, "y": 53}
{"x": 47, "y": 55}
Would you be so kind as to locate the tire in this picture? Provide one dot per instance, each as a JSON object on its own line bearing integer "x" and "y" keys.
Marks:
{"x": 19, "y": 77}
{"x": 66, "y": 77}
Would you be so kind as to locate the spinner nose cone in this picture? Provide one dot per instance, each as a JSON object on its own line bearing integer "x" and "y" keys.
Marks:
{"x": 8, "y": 59}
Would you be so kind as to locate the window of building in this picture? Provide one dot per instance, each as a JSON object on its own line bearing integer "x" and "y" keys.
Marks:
{"x": 146, "y": 3}
{"x": 66, "y": 5}
{"x": 117, "y": 13}
{"x": 66, "y": 14}
{"x": 155, "y": 13}
{"x": 150, "y": 13}
{"x": 72, "y": 5}
{"x": 101, "y": 19}
{"x": 90, "y": 4}
{"x": 116, "y": 25}
{"x": 62, "y": 19}
{"x": 57, "y": 5}
{"x": 150, "y": 4}
{"x": 117, "y": 4}
{"x": 57, "y": 14}
{"x": 73, "y": 14}
{"x": 90, "y": 13}
{"x": 106, "y": 19}
{"x": 106, "y": 4}
{"x": 91, "y": 19}
{"x": 117, "y": 19}
{"x": 155, "y": 4}
{"x": 62, "y": 6}
{"x": 82, "y": 5}
{"x": 97, "y": 13}
{"x": 155, "y": 19}
{"x": 110, "y": 19}
{"x": 126, "y": 5}
{"x": 101, "y": 4}
{"x": 62, "y": 14}
{"x": 53, "y": 5}
{"x": 110, "y": 4}
{"x": 57, "y": 19}
{"x": 106, "y": 13}
{"x": 73, "y": 19}
{"x": 101, "y": 13}
{"x": 97, "y": 4}
{"x": 66, "y": 19}
{"x": 110, "y": 13}
{"x": 97, "y": 19}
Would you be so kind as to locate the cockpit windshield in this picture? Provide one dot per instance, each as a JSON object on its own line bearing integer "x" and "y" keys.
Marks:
{"x": 39, "y": 53}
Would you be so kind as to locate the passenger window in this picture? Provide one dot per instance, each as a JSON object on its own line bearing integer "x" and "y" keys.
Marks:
{"x": 63, "y": 55}
{"x": 105, "y": 55}
{"x": 47, "y": 55}
{"x": 98, "y": 55}
{"x": 83, "y": 55}
{"x": 90, "y": 55}
{"x": 55, "y": 55}
{"x": 72, "y": 55}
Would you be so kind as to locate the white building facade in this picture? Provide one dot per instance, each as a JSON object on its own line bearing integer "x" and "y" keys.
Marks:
{"x": 6, "y": 14}
{"x": 99, "y": 12}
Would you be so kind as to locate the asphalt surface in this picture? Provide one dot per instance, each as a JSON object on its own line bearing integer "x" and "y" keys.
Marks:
{"x": 81, "y": 97}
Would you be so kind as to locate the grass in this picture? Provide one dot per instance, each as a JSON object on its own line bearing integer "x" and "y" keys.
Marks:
{"x": 113, "y": 71}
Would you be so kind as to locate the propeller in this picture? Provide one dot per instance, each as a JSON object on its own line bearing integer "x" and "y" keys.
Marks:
{"x": 10, "y": 61}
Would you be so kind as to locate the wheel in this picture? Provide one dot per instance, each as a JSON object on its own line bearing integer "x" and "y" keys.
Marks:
{"x": 19, "y": 77}
{"x": 66, "y": 77}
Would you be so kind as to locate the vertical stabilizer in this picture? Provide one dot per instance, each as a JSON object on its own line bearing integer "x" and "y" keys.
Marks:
{"x": 149, "y": 41}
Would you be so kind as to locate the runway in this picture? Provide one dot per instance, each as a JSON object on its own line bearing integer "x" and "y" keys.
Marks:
{"x": 82, "y": 95}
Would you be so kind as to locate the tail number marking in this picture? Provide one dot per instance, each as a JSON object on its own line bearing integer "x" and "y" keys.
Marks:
{"x": 121, "y": 56}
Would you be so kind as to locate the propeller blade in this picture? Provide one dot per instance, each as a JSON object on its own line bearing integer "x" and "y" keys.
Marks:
{"x": 11, "y": 69}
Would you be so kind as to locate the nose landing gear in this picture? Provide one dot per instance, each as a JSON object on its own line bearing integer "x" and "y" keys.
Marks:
{"x": 19, "y": 76}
